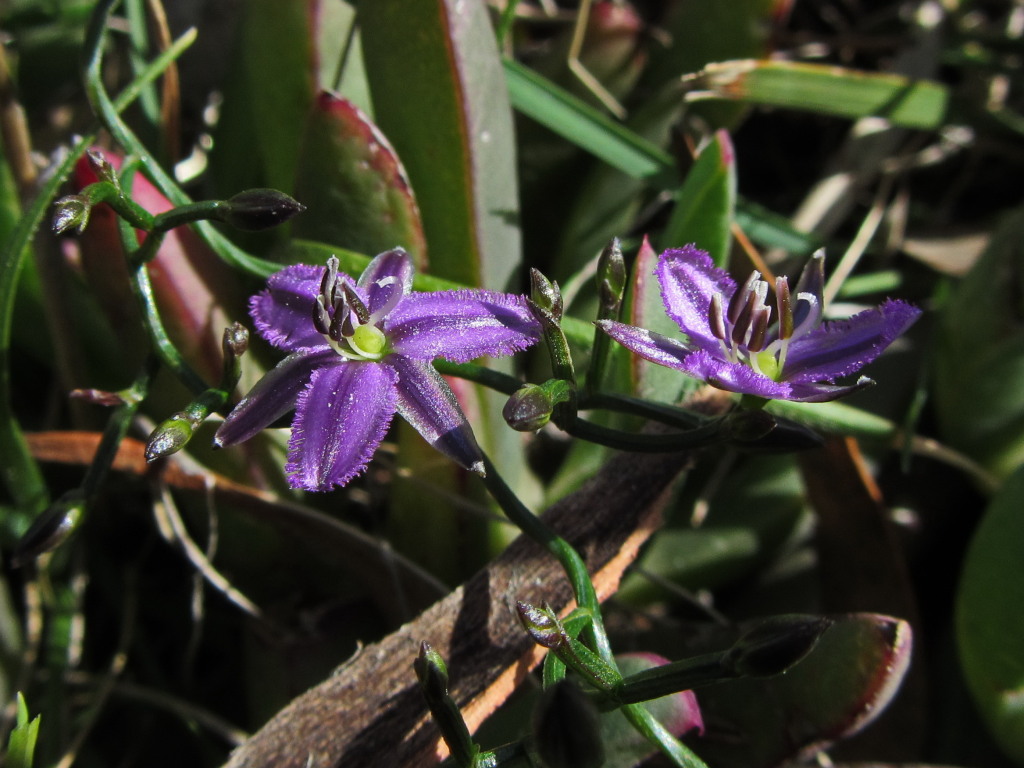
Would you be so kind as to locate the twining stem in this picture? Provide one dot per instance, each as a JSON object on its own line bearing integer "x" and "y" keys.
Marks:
{"x": 20, "y": 472}
{"x": 560, "y": 549}
{"x": 104, "y": 109}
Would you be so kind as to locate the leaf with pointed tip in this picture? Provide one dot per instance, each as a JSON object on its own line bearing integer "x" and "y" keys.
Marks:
{"x": 989, "y": 620}
{"x": 979, "y": 358}
{"x": 439, "y": 95}
{"x": 835, "y": 691}
{"x": 355, "y": 190}
{"x": 266, "y": 97}
{"x": 705, "y": 203}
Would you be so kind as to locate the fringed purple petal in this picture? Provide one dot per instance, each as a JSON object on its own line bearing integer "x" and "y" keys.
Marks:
{"x": 272, "y": 397}
{"x": 461, "y": 325}
{"x": 283, "y": 312}
{"x": 386, "y": 279}
{"x": 844, "y": 346}
{"x": 823, "y": 393}
{"x": 427, "y": 402}
{"x": 340, "y": 419}
{"x": 689, "y": 278}
{"x": 733, "y": 377}
{"x": 648, "y": 344}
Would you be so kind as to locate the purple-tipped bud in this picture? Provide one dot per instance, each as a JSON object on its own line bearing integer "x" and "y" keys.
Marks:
{"x": 72, "y": 213}
{"x": 545, "y": 294}
{"x": 567, "y": 728}
{"x": 542, "y": 625}
{"x": 775, "y": 645}
{"x": 98, "y": 396}
{"x": 256, "y": 209}
{"x": 50, "y": 529}
{"x": 431, "y": 671}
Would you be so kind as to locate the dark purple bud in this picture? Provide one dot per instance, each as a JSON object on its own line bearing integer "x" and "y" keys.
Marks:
{"x": 775, "y": 645}
{"x": 567, "y": 728}
{"x": 50, "y": 529}
{"x": 256, "y": 209}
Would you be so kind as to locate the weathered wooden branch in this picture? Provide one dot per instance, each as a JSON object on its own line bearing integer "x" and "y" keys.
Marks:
{"x": 371, "y": 712}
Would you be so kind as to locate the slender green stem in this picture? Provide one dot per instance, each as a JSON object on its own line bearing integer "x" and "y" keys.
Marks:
{"x": 656, "y": 733}
{"x": 669, "y": 415}
{"x": 205, "y": 210}
{"x": 104, "y": 109}
{"x": 500, "y": 382}
{"x": 20, "y": 472}
{"x": 560, "y": 549}
{"x": 699, "y": 437}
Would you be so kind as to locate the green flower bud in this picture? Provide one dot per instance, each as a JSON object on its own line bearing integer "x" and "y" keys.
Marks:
{"x": 72, "y": 214}
{"x": 567, "y": 728}
{"x": 530, "y": 407}
{"x": 545, "y": 294}
{"x": 170, "y": 437}
{"x": 611, "y": 280}
{"x": 256, "y": 209}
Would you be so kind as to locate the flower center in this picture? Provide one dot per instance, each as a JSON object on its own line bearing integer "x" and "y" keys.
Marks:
{"x": 742, "y": 327}
{"x": 342, "y": 317}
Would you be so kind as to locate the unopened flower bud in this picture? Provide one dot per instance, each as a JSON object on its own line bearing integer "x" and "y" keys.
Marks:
{"x": 170, "y": 437}
{"x": 236, "y": 340}
{"x": 98, "y": 396}
{"x": 530, "y": 407}
{"x": 102, "y": 167}
{"x": 775, "y": 645}
{"x": 261, "y": 208}
{"x": 50, "y": 529}
{"x": 542, "y": 625}
{"x": 567, "y": 728}
{"x": 546, "y": 294}
{"x": 72, "y": 213}
{"x": 431, "y": 671}
{"x": 611, "y": 280}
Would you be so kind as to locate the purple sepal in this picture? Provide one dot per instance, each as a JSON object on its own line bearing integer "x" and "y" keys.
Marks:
{"x": 460, "y": 325}
{"x": 427, "y": 402}
{"x": 272, "y": 397}
{"x": 340, "y": 418}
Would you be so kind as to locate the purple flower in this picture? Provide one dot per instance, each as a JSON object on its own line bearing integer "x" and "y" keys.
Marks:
{"x": 732, "y": 344}
{"x": 361, "y": 351}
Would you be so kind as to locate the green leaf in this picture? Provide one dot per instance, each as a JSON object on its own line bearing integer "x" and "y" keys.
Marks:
{"x": 825, "y": 89}
{"x": 979, "y": 357}
{"x": 705, "y": 203}
{"x": 355, "y": 190}
{"x": 21, "y": 745}
{"x": 268, "y": 92}
{"x": 989, "y": 621}
{"x": 439, "y": 95}
{"x": 837, "y": 689}
{"x": 584, "y": 125}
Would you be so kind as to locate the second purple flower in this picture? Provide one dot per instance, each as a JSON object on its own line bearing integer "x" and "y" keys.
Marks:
{"x": 733, "y": 342}
{"x": 359, "y": 352}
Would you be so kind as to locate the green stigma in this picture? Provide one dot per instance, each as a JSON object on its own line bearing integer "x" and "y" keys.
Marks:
{"x": 768, "y": 363}
{"x": 370, "y": 341}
